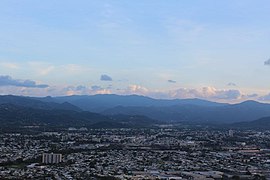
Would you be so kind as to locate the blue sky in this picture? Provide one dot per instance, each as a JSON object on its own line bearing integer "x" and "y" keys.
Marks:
{"x": 164, "y": 49}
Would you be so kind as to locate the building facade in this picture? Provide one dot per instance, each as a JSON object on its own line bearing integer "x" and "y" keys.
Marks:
{"x": 51, "y": 158}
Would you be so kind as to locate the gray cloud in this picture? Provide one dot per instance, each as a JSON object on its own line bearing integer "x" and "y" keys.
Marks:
{"x": 252, "y": 95}
{"x": 110, "y": 86}
{"x": 231, "y": 84}
{"x": 69, "y": 88}
{"x": 96, "y": 88}
{"x": 228, "y": 94}
{"x": 171, "y": 81}
{"x": 81, "y": 88}
{"x": 9, "y": 81}
{"x": 265, "y": 97}
{"x": 105, "y": 77}
{"x": 267, "y": 62}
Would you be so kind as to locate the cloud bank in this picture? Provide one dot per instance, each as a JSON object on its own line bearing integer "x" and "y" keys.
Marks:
{"x": 8, "y": 85}
{"x": 9, "y": 81}
{"x": 206, "y": 93}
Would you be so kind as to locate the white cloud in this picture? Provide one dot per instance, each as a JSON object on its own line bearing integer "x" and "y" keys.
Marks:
{"x": 41, "y": 68}
{"x": 10, "y": 65}
{"x": 47, "y": 70}
{"x": 74, "y": 68}
{"x": 83, "y": 90}
{"x": 209, "y": 93}
{"x": 136, "y": 89}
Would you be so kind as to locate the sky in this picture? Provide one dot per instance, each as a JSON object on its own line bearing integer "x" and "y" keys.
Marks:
{"x": 208, "y": 49}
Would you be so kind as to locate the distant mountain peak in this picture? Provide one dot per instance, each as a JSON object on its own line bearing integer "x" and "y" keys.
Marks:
{"x": 252, "y": 102}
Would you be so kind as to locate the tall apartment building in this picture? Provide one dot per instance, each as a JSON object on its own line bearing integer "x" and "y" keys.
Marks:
{"x": 51, "y": 158}
{"x": 231, "y": 133}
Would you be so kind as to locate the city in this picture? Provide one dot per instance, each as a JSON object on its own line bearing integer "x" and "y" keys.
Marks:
{"x": 156, "y": 153}
{"x": 134, "y": 90}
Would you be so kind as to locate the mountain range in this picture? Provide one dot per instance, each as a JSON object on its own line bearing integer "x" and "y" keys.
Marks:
{"x": 101, "y": 102}
{"x": 125, "y": 111}
{"x": 176, "y": 110}
{"x": 246, "y": 111}
{"x": 16, "y": 116}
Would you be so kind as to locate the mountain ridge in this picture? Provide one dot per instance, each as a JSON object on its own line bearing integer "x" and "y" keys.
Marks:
{"x": 168, "y": 111}
{"x": 261, "y": 123}
{"x": 101, "y": 102}
{"x": 32, "y": 102}
{"x": 16, "y": 116}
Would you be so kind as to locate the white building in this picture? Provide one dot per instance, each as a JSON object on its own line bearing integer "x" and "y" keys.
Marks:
{"x": 231, "y": 133}
{"x": 51, "y": 158}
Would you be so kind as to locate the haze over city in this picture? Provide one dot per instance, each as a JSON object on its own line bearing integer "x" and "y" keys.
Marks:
{"x": 214, "y": 50}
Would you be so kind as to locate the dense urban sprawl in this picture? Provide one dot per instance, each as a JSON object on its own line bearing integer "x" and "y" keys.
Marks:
{"x": 161, "y": 153}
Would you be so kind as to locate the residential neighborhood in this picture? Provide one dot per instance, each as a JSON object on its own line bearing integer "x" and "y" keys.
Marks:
{"x": 158, "y": 153}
